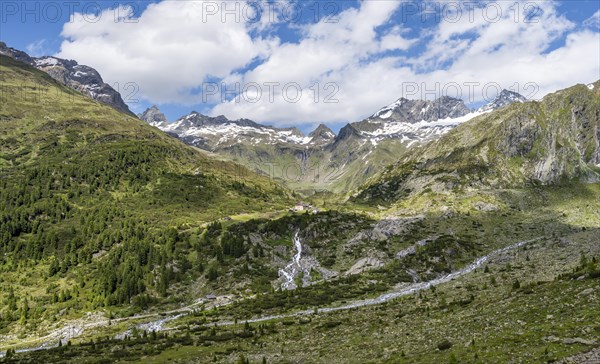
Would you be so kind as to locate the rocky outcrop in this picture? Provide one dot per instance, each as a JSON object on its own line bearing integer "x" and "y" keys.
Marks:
{"x": 556, "y": 138}
{"x": 413, "y": 111}
{"x": 16, "y": 54}
{"x": 363, "y": 265}
{"x": 154, "y": 117}
{"x": 321, "y": 135}
{"x": 505, "y": 98}
{"x": 546, "y": 142}
{"x": 592, "y": 356}
{"x": 78, "y": 77}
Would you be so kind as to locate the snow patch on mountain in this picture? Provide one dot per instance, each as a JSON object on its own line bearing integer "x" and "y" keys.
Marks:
{"x": 387, "y": 111}
{"x": 386, "y": 115}
{"x": 419, "y": 131}
{"x": 231, "y": 132}
{"x": 505, "y": 98}
{"x": 46, "y": 62}
{"x": 219, "y": 131}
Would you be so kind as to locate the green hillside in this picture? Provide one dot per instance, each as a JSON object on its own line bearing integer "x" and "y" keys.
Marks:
{"x": 334, "y": 168}
{"x": 95, "y": 204}
{"x": 551, "y": 141}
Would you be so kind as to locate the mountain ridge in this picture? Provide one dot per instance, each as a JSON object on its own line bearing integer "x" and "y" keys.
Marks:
{"x": 348, "y": 159}
{"x": 536, "y": 142}
{"x": 81, "y": 78}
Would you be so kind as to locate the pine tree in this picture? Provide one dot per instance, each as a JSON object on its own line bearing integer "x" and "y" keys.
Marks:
{"x": 24, "y": 311}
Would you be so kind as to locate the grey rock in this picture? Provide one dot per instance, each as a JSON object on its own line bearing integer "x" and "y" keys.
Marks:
{"x": 590, "y": 357}
{"x": 322, "y": 135}
{"x": 16, "y": 54}
{"x": 364, "y": 264}
{"x": 154, "y": 117}
{"x": 578, "y": 340}
{"x": 505, "y": 98}
{"x": 413, "y": 111}
{"x": 68, "y": 72}
{"x": 483, "y": 206}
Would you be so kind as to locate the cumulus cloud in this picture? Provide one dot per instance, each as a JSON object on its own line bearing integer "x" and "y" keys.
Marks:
{"x": 169, "y": 50}
{"x": 346, "y": 69}
{"x": 478, "y": 53}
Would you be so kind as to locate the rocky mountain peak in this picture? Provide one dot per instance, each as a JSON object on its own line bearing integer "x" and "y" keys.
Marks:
{"x": 154, "y": 117}
{"x": 82, "y": 78}
{"x": 348, "y": 132}
{"x": 321, "y": 135}
{"x": 505, "y": 98}
{"x": 414, "y": 111}
{"x": 15, "y": 54}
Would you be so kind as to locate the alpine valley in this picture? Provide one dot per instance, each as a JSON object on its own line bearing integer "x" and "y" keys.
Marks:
{"x": 428, "y": 232}
{"x": 323, "y": 161}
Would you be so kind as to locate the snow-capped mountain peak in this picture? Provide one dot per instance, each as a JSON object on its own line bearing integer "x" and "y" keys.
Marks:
{"x": 419, "y": 121}
{"x": 217, "y": 132}
{"x": 506, "y": 97}
{"x": 387, "y": 111}
{"x": 414, "y": 111}
{"x": 154, "y": 117}
{"x": 321, "y": 135}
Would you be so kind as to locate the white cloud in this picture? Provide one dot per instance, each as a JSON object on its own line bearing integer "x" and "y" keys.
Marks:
{"x": 333, "y": 53}
{"x": 366, "y": 54}
{"x": 393, "y": 40}
{"x": 37, "y": 48}
{"x": 168, "y": 51}
{"x": 505, "y": 52}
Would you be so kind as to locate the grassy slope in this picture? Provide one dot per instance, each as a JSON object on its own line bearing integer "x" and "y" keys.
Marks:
{"x": 521, "y": 145}
{"x": 87, "y": 186}
{"x": 44, "y": 123}
{"x": 317, "y": 169}
{"x": 484, "y": 315}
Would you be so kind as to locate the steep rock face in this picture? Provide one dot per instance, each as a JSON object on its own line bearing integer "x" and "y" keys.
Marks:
{"x": 154, "y": 117}
{"x": 347, "y": 132}
{"x": 505, "y": 98}
{"x": 321, "y": 135}
{"x": 558, "y": 137}
{"x": 78, "y": 77}
{"x": 544, "y": 142}
{"x": 217, "y": 133}
{"x": 412, "y": 111}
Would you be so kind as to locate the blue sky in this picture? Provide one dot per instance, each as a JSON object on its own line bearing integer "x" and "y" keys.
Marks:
{"x": 360, "y": 56}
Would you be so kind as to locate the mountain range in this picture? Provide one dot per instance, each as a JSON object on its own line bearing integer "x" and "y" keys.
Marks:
{"x": 322, "y": 160}
{"x": 539, "y": 142}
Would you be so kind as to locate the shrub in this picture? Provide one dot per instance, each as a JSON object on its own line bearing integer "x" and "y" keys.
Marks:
{"x": 516, "y": 284}
{"x": 444, "y": 345}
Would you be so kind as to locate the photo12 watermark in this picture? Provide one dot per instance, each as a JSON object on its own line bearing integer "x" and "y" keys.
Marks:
{"x": 269, "y": 92}
{"x": 270, "y": 12}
